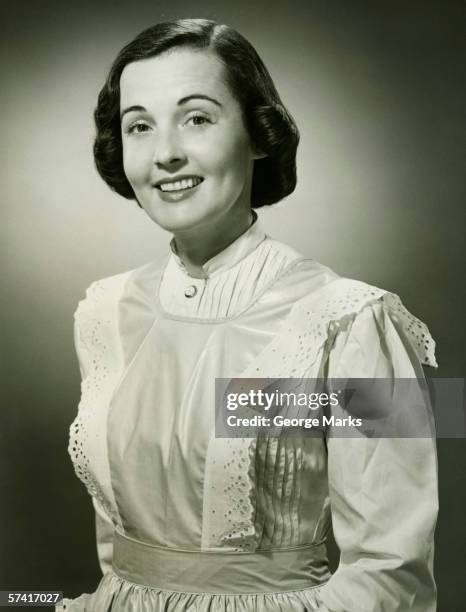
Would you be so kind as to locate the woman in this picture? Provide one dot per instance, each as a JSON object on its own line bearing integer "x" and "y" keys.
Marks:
{"x": 190, "y": 125}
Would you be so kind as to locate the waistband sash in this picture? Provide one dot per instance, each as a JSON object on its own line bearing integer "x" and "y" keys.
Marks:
{"x": 223, "y": 572}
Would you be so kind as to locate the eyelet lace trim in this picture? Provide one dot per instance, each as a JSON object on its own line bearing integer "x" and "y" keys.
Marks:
{"x": 94, "y": 334}
{"x": 230, "y": 501}
{"x": 228, "y": 496}
{"x": 315, "y": 321}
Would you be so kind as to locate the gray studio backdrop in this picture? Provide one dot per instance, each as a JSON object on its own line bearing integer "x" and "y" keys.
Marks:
{"x": 377, "y": 91}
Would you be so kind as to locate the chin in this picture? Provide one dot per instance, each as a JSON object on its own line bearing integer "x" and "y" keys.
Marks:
{"x": 174, "y": 219}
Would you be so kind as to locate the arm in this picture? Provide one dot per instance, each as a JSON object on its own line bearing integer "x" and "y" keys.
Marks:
{"x": 383, "y": 491}
{"x": 104, "y": 538}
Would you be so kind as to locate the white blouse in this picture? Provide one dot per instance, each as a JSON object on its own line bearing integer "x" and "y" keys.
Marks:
{"x": 151, "y": 343}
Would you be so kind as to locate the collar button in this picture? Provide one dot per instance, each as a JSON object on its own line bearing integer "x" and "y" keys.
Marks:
{"x": 190, "y": 291}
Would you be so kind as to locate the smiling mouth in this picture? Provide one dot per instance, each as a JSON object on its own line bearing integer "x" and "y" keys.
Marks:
{"x": 182, "y": 185}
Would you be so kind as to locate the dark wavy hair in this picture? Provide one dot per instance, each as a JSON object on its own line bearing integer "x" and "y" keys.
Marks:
{"x": 270, "y": 126}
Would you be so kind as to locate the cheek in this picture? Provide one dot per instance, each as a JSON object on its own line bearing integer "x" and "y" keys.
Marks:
{"x": 135, "y": 164}
{"x": 229, "y": 161}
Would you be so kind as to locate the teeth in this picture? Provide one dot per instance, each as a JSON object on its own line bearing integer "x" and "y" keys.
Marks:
{"x": 183, "y": 184}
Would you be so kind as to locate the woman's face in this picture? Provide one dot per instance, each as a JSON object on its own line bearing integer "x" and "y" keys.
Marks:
{"x": 186, "y": 151}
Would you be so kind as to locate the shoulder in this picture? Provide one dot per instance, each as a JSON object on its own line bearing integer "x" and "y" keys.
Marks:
{"x": 360, "y": 315}
{"x": 97, "y": 319}
{"x": 104, "y": 294}
{"x": 292, "y": 259}
{"x": 295, "y": 274}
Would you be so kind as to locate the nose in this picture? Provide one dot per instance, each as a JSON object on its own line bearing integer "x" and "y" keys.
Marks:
{"x": 168, "y": 148}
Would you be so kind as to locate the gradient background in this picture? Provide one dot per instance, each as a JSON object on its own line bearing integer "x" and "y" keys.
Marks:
{"x": 378, "y": 91}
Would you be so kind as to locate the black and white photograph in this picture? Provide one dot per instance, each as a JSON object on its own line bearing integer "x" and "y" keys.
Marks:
{"x": 233, "y": 306}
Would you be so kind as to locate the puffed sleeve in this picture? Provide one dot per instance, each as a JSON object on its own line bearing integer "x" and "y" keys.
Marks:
{"x": 81, "y": 350}
{"x": 383, "y": 491}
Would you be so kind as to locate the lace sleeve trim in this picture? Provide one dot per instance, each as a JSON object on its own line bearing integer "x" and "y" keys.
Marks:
{"x": 315, "y": 320}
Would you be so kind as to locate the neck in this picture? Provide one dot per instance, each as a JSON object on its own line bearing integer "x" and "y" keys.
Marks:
{"x": 197, "y": 246}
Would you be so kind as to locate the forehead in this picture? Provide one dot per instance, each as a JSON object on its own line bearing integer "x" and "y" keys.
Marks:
{"x": 172, "y": 75}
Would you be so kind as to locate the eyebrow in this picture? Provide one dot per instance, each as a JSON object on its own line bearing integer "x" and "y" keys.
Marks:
{"x": 131, "y": 109}
{"x": 199, "y": 96}
{"x": 180, "y": 102}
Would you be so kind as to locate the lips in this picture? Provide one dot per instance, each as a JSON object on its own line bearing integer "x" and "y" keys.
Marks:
{"x": 178, "y": 183}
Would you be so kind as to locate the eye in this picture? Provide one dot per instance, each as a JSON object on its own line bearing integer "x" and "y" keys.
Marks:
{"x": 138, "y": 127}
{"x": 198, "y": 120}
